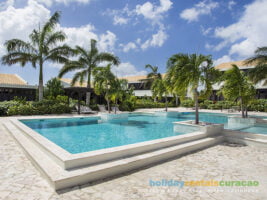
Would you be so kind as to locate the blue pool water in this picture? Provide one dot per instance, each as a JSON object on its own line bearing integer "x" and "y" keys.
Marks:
{"x": 260, "y": 129}
{"x": 78, "y": 135}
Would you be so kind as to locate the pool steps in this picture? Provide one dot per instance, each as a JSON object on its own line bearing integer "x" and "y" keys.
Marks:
{"x": 61, "y": 178}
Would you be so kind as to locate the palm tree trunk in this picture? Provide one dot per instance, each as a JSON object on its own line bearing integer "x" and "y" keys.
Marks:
{"x": 116, "y": 103}
{"x": 166, "y": 103}
{"x": 108, "y": 105}
{"x": 41, "y": 83}
{"x": 88, "y": 94}
{"x": 242, "y": 108}
{"x": 88, "y": 97}
{"x": 246, "y": 112}
{"x": 176, "y": 100}
{"x": 196, "y": 106}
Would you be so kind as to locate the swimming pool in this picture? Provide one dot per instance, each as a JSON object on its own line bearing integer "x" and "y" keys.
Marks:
{"x": 77, "y": 135}
{"x": 257, "y": 128}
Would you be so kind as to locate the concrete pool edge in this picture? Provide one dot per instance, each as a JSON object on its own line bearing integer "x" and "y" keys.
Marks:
{"x": 68, "y": 161}
{"x": 60, "y": 178}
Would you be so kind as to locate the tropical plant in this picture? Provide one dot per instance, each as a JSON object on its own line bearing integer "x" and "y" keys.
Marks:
{"x": 151, "y": 76}
{"x": 237, "y": 87}
{"x": 54, "y": 88}
{"x": 194, "y": 72}
{"x": 118, "y": 90}
{"x": 87, "y": 61}
{"x": 103, "y": 80}
{"x": 43, "y": 47}
{"x": 258, "y": 73}
{"x": 159, "y": 89}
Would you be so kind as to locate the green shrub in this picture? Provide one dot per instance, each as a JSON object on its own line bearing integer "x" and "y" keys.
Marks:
{"x": 258, "y": 105}
{"x": 187, "y": 103}
{"x": 56, "y": 105}
{"x": 149, "y": 103}
{"x": 5, "y": 105}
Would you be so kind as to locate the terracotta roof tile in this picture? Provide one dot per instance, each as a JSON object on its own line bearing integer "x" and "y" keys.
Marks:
{"x": 228, "y": 65}
{"x": 12, "y": 79}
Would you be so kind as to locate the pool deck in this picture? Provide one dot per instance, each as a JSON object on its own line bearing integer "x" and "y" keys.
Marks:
{"x": 21, "y": 180}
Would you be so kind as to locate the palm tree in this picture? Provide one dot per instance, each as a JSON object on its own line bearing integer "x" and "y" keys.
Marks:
{"x": 41, "y": 48}
{"x": 87, "y": 61}
{"x": 119, "y": 88}
{"x": 193, "y": 71}
{"x": 151, "y": 76}
{"x": 103, "y": 80}
{"x": 258, "y": 73}
{"x": 159, "y": 89}
{"x": 237, "y": 87}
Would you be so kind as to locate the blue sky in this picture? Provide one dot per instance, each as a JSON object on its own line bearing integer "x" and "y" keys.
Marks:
{"x": 141, "y": 32}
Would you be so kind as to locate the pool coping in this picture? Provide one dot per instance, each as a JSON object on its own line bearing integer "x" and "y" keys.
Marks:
{"x": 60, "y": 177}
{"x": 69, "y": 161}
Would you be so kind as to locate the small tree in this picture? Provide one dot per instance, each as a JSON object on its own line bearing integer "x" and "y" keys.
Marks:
{"x": 54, "y": 87}
{"x": 193, "y": 72}
{"x": 159, "y": 89}
{"x": 118, "y": 90}
{"x": 238, "y": 87}
{"x": 103, "y": 80}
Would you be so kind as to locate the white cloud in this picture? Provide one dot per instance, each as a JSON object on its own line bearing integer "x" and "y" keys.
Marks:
{"x": 202, "y": 8}
{"x": 120, "y": 17}
{"x": 107, "y": 41}
{"x": 248, "y": 33}
{"x": 119, "y": 20}
{"x": 4, "y": 5}
{"x": 205, "y": 31}
{"x": 127, "y": 47}
{"x": 19, "y": 23}
{"x": 231, "y": 4}
{"x": 223, "y": 59}
{"x": 127, "y": 69}
{"x": 49, "y": 3}
{"x": 157, "y": 40}
{"x": 152, "y": 12}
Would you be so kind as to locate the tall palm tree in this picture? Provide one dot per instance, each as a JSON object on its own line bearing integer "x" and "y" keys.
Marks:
{"x": 237, "y": 87}
{"x": 190, "y": 71}
{"x": 42, "y": 47}
{"x": 103, "y": 80}
{"x": 258, "y": 73}
{"x": 87, "y": 61}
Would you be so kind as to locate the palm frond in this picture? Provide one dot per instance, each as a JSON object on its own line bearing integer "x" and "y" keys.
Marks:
{"x": 81, "y": 51}
{"x": 69, "y": 67}
{"x": 49, "y": 25}
{"x": 78, "y": 76}
{"x": 17, "y": 45}
{"x": 19, "y": 57}
{"x": 53, "y": 38}
{"x": 109, "y": 57}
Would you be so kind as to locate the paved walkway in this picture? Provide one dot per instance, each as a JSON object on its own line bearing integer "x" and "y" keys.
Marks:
{"x": 20, "y": 179}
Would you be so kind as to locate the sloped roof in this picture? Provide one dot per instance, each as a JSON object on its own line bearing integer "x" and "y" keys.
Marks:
{"x": 228, "y": 65}
{"x": 67, "y": 83}
{"x": 11, "y": 79}
{"x": 136, "y": 78}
